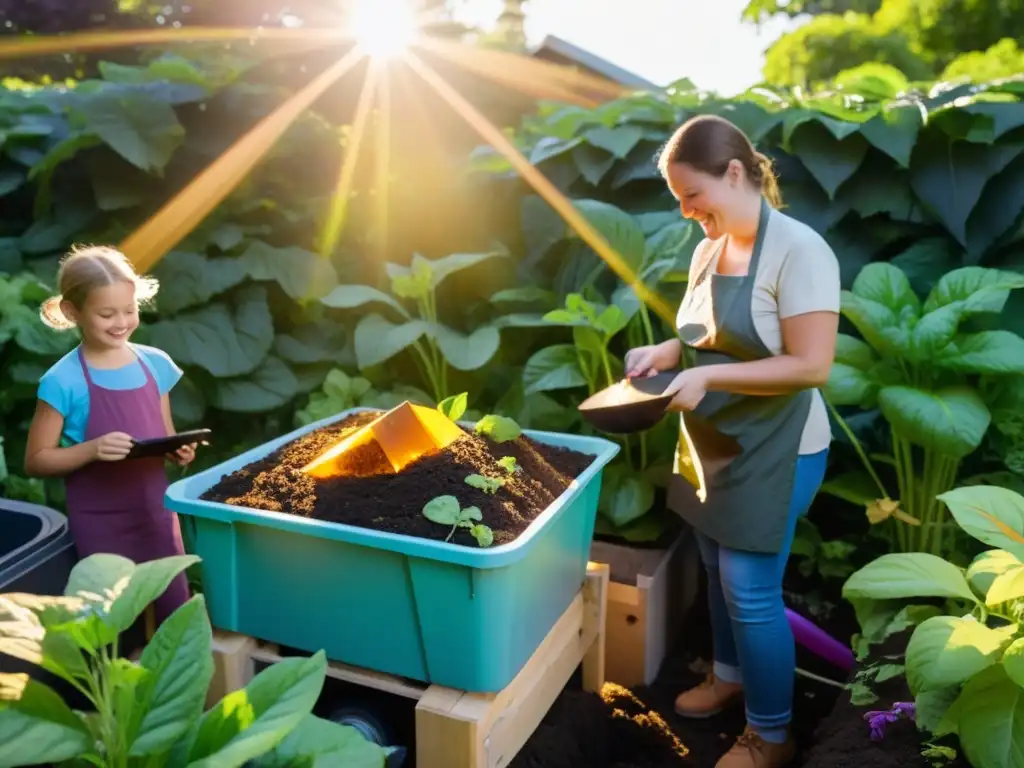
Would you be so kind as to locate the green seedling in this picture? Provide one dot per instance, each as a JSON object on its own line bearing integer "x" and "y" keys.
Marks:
{"x": 501, "y": 429}
{"x": 509, "y": 464}
{"x": 485, "y": 484}
{"x": 445, "y": 510}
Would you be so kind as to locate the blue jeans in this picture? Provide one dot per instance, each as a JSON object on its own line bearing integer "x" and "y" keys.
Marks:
{"x": 752, "y": 638}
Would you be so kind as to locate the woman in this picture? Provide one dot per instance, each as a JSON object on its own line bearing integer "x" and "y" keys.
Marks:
{"x": 759, "y": 321}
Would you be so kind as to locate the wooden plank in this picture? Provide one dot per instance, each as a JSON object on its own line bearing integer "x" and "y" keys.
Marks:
{"x": 232, "y": 665}
{"x": 367, "y": 678}
{"x": 595, "y": 596}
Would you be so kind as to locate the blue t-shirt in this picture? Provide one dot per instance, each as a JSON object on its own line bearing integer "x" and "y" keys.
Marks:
{"x": 64, "y": 388}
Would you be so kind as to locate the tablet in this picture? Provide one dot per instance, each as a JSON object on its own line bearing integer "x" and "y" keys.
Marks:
{"x": 160, "y": 446}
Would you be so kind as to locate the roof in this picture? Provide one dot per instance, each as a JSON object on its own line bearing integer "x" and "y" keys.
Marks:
{"x": 552, "y": 47}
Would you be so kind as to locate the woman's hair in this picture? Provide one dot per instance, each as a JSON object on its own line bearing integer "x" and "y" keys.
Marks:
{"x": 86, "y": 268}
{"x": 708, "y": 143}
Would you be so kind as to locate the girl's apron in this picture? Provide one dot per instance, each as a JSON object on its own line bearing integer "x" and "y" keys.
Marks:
{"x": 117, "y": 507}
{"x": 739, "y": 451}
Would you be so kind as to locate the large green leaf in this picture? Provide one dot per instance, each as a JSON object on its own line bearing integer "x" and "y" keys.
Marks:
{"x": 181, "y": 666}
{"x": 143, "y": 130}
{"x": 948, "y": 650}
{"x": 618, "y": 228}
{"x": 977, "y": 288}
{"x": 619, "y": 141}
{"x": 990, "y": 719}
{"x": 949, "y": 176}
{"x": 894, "y": 131}
{"x": 996, "y": 352}
{"x": 270, "y": 386}
{"x": 987, "y": 567}
{"x": 593, "y": 163}
{"x": 831, "y": 162}
{"x": 36, "y": 726}
{"x": 246, "y": 724}
{"x": 991, "y": 514}
{"x": 225, "y": 340}
{"x": 319, "y": 743}
{"x": 351, "y": 296}
{"x": 301, "y": 273}
{"x": 889, "y": 286}
{"x": 1013, "y": 661}
{"x": 189, "y": 279}
{"x": 854, "y": 352}
{"x": 998, "y": 209}
{"x": 553, "y": 368}
{"x": 466, "y": 353}
{"x": 906, "y": 575}
{"x": 377, "y": 339}
{"x": 950, "y": 421}
{"x": 878, "y": 324}
{"x": 850, "y": 386}
{"x": 441, "y": 269}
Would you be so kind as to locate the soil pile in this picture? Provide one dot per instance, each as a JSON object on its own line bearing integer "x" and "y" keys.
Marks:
{"x": 373, "y": 496}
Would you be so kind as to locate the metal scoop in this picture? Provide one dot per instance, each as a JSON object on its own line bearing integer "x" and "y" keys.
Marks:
{"x": 405, "y": 433}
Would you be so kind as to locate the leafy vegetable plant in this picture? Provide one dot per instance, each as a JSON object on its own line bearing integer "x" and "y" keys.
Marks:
{"x": 341, "y": 392}
{"x": 446, "y": 510}
{"x": 916, "y": 364}
{"x": 964, "y": 664}
{"x": 150, "y": 713}
{"x": 436, "y": 347}
{"x": 509, "y": 464}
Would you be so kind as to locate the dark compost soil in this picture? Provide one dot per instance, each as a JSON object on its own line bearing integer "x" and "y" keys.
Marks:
{"x": 371, "y": 495}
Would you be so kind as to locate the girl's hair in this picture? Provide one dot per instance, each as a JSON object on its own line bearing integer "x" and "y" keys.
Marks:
{"x": 86, "y": 268}
{"x": 708, "y": 143}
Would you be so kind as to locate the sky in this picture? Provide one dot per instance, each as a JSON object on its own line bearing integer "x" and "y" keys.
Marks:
{"x": 660, "y": 40}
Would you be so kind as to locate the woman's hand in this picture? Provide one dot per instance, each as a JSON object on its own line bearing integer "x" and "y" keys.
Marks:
{"x": 688, "y": 388}
{"x": 184, "y": 455}
{"x": 647, "y": 361}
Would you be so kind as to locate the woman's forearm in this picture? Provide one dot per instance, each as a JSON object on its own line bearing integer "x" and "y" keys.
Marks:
{"x": 778, "y": 375}
{"x": 57, "y": 462}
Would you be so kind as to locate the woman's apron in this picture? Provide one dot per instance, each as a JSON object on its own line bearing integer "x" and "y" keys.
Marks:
{"x": 117, "y": 507}
{"x": 739, "y": 451}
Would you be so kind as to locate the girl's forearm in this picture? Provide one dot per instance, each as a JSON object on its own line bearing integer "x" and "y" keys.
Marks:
{"x": 771, "y": 376}
{"x": 57, "y": 462}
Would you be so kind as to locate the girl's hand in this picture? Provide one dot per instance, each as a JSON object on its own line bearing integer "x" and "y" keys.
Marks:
{"x": 112, "y": 446}
{"x": 184, "y": 455}
{"x": 688, "y": 388}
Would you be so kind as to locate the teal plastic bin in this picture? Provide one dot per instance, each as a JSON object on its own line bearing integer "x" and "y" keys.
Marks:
{"x": 462, "y": 617}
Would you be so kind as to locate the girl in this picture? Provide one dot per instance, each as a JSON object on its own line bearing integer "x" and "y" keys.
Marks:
{"x": 93, "y": 402}
{"x": 759, "y": 320}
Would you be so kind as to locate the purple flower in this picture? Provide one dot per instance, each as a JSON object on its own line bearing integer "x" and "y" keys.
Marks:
{"x": 877, "y": 720}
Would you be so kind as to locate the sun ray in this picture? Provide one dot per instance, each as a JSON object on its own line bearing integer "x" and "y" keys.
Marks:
{"x": 526, "y": 69}
{"x": 77, "y": 42}
{"x": 382, "y": 173}
{"x": 182, "y": 213}
{"x": 504, "y": 76}
{"x": 338, "y": 215}
{"x": 543, "y": 187}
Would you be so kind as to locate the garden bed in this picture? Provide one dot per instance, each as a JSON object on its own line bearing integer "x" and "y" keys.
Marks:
{"x": 371, "y": 495}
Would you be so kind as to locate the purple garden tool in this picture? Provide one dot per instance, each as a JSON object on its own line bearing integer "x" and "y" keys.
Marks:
{"x": 820, "y": 643}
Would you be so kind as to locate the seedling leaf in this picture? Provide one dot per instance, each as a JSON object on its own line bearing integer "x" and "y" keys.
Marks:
{"x": 470, "y": 513}
{"x": 483, "y": 535}
{"x": 509, "y": 464}
{"x": 485, "y": 484}
{"x": 455, "y": 406}
{"x": 443, "y": 510}
{"x": 501, "y": 429}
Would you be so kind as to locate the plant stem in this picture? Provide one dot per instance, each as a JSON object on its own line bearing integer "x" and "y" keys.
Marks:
{"x": 428, "y": 369}
{"x": 643, "y": 450}
{"x": 820, "y": 679}
{"x": 645, "y": 316}
{"x": 858, "y": 448}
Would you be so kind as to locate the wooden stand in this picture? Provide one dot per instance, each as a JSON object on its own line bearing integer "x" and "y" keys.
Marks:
{"x": 456, "y": 729}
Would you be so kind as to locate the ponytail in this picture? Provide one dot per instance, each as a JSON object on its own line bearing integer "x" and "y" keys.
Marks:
{"x": 764, "y": 176}
{"x": 54, "y": 316}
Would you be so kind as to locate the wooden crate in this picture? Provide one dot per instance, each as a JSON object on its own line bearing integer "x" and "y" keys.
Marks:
{"x": 456, "y": 729}
{"x": 650, "y": 593}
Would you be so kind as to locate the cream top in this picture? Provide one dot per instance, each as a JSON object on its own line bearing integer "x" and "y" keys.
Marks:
{"x": 798, "y": 273}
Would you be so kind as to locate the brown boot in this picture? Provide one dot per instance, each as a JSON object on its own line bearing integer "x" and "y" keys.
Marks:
{"x": 707, "y": 699}
{"x": 751, "y": 751}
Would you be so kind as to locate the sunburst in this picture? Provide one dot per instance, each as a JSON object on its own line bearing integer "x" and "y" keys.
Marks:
{"x": 390, "y": 34}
